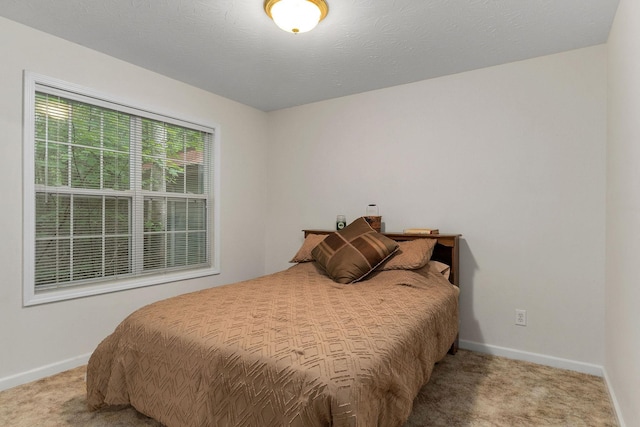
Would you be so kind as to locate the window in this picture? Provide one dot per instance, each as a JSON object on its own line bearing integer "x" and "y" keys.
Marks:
{"x": 116, "y": 197}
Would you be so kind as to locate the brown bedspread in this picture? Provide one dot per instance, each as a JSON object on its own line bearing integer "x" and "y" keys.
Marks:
{"x": 288, "y": 349}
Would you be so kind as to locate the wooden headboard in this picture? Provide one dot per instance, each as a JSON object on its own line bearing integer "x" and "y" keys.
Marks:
{"x": 446, "y": 250}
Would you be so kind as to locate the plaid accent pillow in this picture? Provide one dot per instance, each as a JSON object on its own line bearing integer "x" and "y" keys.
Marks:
{"x": 350, "y": 254}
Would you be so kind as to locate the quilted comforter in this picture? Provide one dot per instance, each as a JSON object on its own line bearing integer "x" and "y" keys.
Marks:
{"x": 289, "y": 349}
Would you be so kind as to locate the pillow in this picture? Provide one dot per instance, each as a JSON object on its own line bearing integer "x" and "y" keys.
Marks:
{"x": 350, "y": 254}
{"x": 411, "y": 255}
{"x": 435, "y": 267}
{"x": 441, "y": 268}
{"x": 310, "y": 242}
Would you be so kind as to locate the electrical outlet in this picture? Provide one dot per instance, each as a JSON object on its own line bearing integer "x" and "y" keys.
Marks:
{"x": 521, "y": 317}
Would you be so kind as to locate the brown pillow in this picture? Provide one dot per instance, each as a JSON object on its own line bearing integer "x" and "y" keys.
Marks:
{"x": 435, "y": 267}
{"x": 441, "y": 268}
{"x": 350, "y": 254}
{"x": 411, "y": 255}
{"x": 310, "y": 242}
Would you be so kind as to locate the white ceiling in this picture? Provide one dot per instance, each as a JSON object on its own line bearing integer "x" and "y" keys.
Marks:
{"x": 231, "y": 47}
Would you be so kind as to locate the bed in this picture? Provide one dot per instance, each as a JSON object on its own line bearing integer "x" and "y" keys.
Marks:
{"x": 294, "y": 348}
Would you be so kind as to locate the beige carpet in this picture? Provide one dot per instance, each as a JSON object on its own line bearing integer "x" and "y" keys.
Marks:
{"x": 468, "y": 389}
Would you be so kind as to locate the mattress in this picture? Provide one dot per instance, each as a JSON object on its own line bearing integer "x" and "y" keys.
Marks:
{"x": 292, "y": 348}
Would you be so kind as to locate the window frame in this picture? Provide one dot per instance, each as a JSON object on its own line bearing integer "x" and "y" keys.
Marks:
{"x": 31, "y": 296}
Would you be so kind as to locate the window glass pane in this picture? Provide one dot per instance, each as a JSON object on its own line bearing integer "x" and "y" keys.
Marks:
{"x": 117, "y": 249}
{"x": 152, "y": 173}
{"x": 176, "y": 215}
{"x": 175, "y": 152}
{"x": 197, "y": 251}
{"x": 52, "y": 118}
{"x": 116, "y": 170}
{"x": 195, "y": 178}
{"x": 87, "y": 258}
{"x": 85, "y": 167}
{"x": 87, "y": 216}
{"x": 116, "y": 254}
{"x": 116, "y": 131}
{"x": 173, "y": 158}
{"x": 116, "y": 215}
{"x": 40, "y": 118}
{"x": 86, "y": 125}
{"x": 154, "y": 138}
{"x": 52, "y": 164}
{"x": 52, "y": 215}
{"x": 177, "y": 250}
{"x": 154, "y": 251}
{"x": 154, "y": 214}
{"x": 40, "y": 165}
{"x": 52, "y": 262}
{"x": 197, "y": 215}
{"x": 194, "y": 158}
{"x": 58, "y": 122}
{"x": 175, "y": 176}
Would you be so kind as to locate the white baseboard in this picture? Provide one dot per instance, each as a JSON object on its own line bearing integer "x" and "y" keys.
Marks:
{"x": 43, "y": 371}
{"x": 541, "y": 359}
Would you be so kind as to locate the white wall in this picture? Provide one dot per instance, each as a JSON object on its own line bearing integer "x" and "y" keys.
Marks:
{"x": 49, "y": 337}
{"x": 623, "y": 212}
{"x": 512, "y": 157}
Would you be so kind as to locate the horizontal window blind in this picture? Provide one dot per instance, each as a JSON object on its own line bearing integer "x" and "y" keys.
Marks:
{"x": 117, "y": 195}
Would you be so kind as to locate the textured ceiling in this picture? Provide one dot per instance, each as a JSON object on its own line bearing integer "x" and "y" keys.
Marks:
{"x": 231, "y": 47}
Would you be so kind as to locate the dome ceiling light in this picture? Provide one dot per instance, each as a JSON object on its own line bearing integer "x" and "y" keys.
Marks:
{"x": 296, "y": 16}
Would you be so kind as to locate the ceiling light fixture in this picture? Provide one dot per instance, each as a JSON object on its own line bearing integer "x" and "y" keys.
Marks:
{"x": 296, "y": 16}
